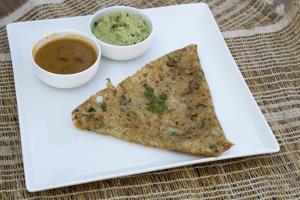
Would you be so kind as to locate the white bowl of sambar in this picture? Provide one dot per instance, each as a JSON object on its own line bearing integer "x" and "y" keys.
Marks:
{"x": 66, "y": 58}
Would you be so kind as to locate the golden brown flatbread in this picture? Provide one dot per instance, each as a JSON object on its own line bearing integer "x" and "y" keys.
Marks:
{"x": 167, "y": 104}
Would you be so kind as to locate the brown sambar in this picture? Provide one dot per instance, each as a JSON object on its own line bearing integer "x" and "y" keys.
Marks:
{"x": 65, "y": 56}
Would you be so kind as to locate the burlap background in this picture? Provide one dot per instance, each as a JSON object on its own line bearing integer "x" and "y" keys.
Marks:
{"x": 265, "y": 42}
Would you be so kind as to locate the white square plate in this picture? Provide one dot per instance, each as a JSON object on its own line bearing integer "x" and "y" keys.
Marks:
{"x": 57, "y": 154}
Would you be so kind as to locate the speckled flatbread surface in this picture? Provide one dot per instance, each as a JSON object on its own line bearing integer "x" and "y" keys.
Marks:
{"x": 167, "y": 104}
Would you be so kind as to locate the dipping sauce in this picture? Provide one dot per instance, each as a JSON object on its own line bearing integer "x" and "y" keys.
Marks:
{"x": 121, "y": 28}
{"x": 65, "y": 56}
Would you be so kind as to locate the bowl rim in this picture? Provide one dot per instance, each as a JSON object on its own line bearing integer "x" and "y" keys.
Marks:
{"x": 95, "y": 15}
{"x": 71, "y": 32}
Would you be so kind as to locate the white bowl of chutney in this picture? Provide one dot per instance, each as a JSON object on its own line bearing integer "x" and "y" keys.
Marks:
{"x": 135, "y": 25}
{"x": 66, "y": 58}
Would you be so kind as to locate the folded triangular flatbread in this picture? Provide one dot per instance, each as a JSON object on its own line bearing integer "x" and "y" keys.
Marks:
{"x": 167, "y": 104}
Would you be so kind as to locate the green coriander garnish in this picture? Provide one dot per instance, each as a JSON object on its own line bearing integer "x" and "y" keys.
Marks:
{"x": 156, "y": 104}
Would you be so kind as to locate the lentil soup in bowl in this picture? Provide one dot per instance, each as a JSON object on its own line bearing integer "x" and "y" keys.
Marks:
{"x": 66, "y": 58}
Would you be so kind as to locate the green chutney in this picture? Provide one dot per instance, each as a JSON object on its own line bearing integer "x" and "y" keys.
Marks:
{"x": 121, "y": 28}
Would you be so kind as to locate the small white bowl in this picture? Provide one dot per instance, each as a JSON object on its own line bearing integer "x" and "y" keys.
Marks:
{"x": 66, "y": 80}
{"x": 117, "y": 52}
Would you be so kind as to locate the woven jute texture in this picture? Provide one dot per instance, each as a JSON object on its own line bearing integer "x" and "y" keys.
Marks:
{"x": 265, "y": 42}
